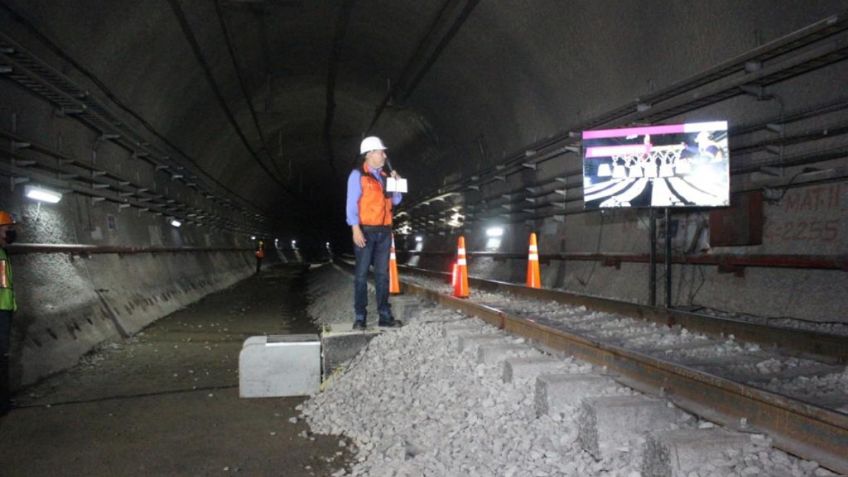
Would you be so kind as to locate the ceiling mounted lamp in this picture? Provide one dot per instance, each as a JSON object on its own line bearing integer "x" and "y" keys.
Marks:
{"x": 176, "y": 223}
{"x": 42, "y": 195}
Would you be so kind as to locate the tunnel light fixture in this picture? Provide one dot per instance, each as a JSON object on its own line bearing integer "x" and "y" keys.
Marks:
{"x": 419, "y": 238}
{"x": 294, "y": 243}
{"x": 176, "y": 223}
{"x": 456, "y": 220}
{"x": 42, "y": 195}
{"x": 494, "y": 232}
{"x": 253, "y": 237}
{"x": 493, "y": 243}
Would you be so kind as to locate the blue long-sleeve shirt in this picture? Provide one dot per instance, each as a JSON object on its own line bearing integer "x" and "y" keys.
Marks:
{"x": 354, "y": 192}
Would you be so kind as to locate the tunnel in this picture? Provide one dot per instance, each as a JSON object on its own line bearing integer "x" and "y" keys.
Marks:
{"x": 150, "y": 149}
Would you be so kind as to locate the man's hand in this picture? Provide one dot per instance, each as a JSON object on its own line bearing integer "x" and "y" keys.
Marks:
{"x": 395, "y": 175}
{"x": 358, "y": 236}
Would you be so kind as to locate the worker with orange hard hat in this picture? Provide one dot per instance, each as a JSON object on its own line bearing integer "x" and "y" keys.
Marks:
{"x": 369, "y": 215}
{"x": 8, "y": 234}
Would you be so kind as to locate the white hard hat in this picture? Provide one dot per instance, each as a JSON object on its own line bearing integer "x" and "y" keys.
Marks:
{"x": 371, "y": 143}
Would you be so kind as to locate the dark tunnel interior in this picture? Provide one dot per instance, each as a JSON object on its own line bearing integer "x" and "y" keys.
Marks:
{"x": 261, "y": 104}
{"x": 240, "y": 120}
{"x": 659, "y": 182}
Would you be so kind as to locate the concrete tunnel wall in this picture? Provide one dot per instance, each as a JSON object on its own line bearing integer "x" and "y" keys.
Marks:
{"x": 810, "y": 295}
{"x": 655, "y": 48}
{"x": 807, "y": 220}
{"x": 68, "y": 303}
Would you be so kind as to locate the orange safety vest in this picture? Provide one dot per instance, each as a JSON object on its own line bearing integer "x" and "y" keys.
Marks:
{"x": 374, "y": 207}
{"x": 260, "y": 253}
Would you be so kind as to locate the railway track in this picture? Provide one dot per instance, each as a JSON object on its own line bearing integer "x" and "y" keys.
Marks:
{"x": 789, "y": 384}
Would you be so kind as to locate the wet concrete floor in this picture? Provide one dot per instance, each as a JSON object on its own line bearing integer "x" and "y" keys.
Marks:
{"x": 165, "y": 402}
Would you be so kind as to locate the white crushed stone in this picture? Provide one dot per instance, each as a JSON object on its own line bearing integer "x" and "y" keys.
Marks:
{"x": 675, "y": 343}
{"x": 833, "y": 328}
{"x": 816, "y": 385}
{"x": 413, "y": 406}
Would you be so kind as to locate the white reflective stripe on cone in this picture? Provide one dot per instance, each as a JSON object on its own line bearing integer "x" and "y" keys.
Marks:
{"x": 392, "y": 256}
{"x": 460, "y": 251}
{"x": 534, "y": 257}
{"x": 534, "y": 248}
{"x": 461, "y": 262}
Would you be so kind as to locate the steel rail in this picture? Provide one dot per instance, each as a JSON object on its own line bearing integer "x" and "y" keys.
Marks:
{"x": 803, "y": 429}
{"x": 828, "y": 347}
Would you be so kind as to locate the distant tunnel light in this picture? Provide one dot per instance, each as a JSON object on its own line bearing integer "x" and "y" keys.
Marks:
{"x": 42, "y": 195}
{"x": 494, "y": 232}
{"x": 253, "y": 237}
{"x": 294, "y": 243}
{"x": 176, "y": 223}
{"x": 419, "y": 238}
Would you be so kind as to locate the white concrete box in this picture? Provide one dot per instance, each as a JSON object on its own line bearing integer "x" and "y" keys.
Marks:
{"x": 280, "y": 365}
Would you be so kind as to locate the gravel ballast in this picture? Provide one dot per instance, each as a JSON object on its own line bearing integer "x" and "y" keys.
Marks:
{"x": 415, "y": 406}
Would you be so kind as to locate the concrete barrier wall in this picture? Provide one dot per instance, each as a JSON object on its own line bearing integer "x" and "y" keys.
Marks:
{"x": 70, "y": 303}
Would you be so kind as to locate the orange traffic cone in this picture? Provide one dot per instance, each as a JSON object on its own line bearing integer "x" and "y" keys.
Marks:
{"x": 534, "y": 279}
{"x": 394, "y": 284}
{"x": 460, "y": 286}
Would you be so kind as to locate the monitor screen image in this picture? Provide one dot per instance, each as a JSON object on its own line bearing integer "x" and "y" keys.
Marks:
{"x": 679, "y": 165}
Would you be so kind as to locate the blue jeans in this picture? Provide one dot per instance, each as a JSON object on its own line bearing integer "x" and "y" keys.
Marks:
{"x": 378, "y": 241}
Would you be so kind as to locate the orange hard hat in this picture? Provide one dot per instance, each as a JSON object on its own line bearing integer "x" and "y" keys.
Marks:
{"x": 6, "y": 218}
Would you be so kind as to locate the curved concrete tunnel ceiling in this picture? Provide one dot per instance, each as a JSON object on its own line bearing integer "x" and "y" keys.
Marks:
{"x": 271, "y": 97}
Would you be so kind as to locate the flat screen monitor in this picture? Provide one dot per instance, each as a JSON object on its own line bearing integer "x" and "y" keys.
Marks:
{"x": 678, "y": 165}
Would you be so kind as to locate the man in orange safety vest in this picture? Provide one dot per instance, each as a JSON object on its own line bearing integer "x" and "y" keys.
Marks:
{"x": 369, "y": 215}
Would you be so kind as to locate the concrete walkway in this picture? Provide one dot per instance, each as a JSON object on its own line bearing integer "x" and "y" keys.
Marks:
{"x": 165, "y": 402}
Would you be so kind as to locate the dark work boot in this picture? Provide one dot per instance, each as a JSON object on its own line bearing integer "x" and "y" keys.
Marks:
{"x": 391, "y": 323}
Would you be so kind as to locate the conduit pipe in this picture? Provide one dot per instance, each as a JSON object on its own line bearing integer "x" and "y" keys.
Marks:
{"x": 91, "y": 181}
{"x": 753, "y": 59}
{"x": 725, "y": 262}
{"x": 45, "y": 81}
{"x": 82, "y": 249}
